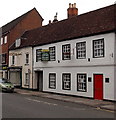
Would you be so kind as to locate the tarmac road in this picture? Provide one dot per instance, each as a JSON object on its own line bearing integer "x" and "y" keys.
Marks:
{"x": 22, "y": 106}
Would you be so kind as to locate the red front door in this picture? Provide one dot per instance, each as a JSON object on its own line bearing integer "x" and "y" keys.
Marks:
{"x": 98, "y": 86}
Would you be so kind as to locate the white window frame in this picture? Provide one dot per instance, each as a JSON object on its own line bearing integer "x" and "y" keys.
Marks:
{"x": 81, "y": 50}
{"x": 81, "y": 82}
{"x": 52, "y": 53}
{"x": 66, "y": 52}
{"x": 52, "y": 80}
{"x": 5, "y": 39}
{"x": 27, "y": 58}
{"x": 66, "y": 81}
{"x": 26, "y": 79}
{"x": 98, "y": 48}
{"x": 38, "y": 55}
{"x": 1, "y": 42}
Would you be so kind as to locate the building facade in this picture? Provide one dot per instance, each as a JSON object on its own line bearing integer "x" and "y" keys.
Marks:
{"x": 83, "y": 67}
{"x": 20, "y": 67}
{"x": 76, "y": 56}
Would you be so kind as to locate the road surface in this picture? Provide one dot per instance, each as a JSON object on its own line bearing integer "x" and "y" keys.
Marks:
{"x": 22, "y": 106}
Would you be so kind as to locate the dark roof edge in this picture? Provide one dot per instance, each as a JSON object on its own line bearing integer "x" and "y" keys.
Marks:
{"x": 38, "y": 13}
{"x": 75, "y": 38}
{"x": 65, "y": 39}
{"x": 23, "y": 16}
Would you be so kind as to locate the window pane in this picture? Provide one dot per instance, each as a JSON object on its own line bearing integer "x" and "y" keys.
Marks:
{"x": 26, "y": 79}
{"x": 52, "y": 80}
{"x": 81, "y": 82}
{"x": 98, "y": 48}
{"x": 52, "y": 53}
{"x": 5, "y": 39}
{"x": 27, "y": 58}
{"x": 1, "y": 40}
{"x": 66, "y": 52}
{"x": 81, "y": 50}
{"x": 66, "y": 81}
{"x": 38, "y": 55}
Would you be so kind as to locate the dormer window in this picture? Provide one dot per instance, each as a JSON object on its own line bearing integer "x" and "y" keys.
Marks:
{"x": 18, "y": 43}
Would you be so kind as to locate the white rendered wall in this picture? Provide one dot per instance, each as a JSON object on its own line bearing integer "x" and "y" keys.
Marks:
{"x": 20, "y": 61}
{"x": 103, "y": 66}
{"x": 108, "y": 88}
{"x": 107, "y": 60}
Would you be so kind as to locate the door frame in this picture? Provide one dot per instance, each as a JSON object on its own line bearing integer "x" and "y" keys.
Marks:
{"x": 40, "y": 75}
{"x": 94, "y": 84}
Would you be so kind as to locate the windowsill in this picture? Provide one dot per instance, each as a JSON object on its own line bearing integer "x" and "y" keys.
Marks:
{"x": 26, "y": 85}
{"x": 12, "y": 65}
{"x": 81, "y": 91}
{"x": 65, "y": 89}
{"x": 26, "y": 64}
{"x": 52, "y": 87}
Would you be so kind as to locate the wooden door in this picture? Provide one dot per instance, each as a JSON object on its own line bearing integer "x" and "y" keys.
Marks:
{"x": 98, "y": 86}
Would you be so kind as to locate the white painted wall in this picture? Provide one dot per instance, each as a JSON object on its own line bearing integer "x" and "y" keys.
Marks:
{"x": 103, "y": 65}
{"x": 20, "y": 61}
{"x": 107, "y": 60}
{"x": 108, "y": 88}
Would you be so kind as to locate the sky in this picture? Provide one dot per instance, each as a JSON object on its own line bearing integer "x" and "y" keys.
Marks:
{"x": 11, "y": 9}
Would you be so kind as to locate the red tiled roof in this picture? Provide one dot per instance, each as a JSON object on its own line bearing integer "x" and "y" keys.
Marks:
{"x": 91, "y": 23}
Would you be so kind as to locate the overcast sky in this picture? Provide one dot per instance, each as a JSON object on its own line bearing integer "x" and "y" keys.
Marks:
{"x": 11, "y": 9}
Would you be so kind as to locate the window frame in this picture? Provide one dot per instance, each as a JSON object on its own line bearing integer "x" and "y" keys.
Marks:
{"x": 1, "y": 41}
{"x": 13, "y": 60}
{"x": 64, "y": 58}
{"x": 63, "y": 87}
{"x": 100, "y": 49}
{"x": 80, "y": 50}
{"x": 52, "y": 54}
{"x": 26, "y": 79}
{"x": 38, "y": 55}
{"x": 27, "y": 59}
{"x": 85, "y": 90}
{"x": 5, "y": 39}
{"x": 52, "y": 87}
{"x": 43, "y": 56}
{"x": 4, "y": 58}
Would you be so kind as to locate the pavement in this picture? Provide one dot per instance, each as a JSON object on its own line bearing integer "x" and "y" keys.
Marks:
{"x": 99, "y": 104}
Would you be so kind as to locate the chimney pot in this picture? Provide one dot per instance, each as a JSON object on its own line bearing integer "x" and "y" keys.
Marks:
{"x": 74, "y": 5}
{"x": 70, "y": 6}
{"x": 50, "y": 22}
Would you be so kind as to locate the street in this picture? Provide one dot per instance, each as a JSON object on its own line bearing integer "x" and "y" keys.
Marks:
{"x": 23, "y": 106}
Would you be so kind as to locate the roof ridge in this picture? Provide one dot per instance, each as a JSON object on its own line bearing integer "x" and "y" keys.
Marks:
{"x": 17, "y": 17}
{"x": 14, "y": 22}
{"x": 96, "y": 22}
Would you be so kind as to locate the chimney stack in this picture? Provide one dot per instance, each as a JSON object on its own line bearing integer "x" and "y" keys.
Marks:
{"x": 72, "y": 10}
{"x": 50, "y": 21}
{"x": 55, "y": 18}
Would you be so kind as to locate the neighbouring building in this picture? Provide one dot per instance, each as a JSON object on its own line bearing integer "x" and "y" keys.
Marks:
{"x": 20, "y": 66}
{"x": 12, "y": 31}
{"x": 76, "y": 56}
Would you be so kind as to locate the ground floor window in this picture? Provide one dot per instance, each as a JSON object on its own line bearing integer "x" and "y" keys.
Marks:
{"x": 66, "y": 81}
{"x": 26, "y": 79}
{"x": 81, "y": 82}
{"x": 52, "y": 80}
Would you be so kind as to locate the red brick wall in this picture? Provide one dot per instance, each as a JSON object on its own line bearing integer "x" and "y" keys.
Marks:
{"x": 31, "y": 20}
